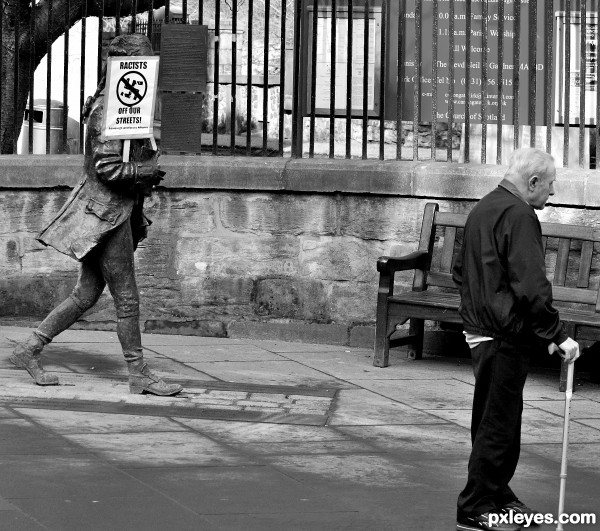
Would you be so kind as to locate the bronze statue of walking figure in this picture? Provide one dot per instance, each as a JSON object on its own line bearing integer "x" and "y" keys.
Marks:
{"x": 100, "y": 226}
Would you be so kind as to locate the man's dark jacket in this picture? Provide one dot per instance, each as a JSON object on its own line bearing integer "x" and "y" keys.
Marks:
{"x": 501, "y": 272}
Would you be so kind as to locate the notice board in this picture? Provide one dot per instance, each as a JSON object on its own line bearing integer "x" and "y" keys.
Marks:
{"x": 471, "y": 85}
{"x": 130, "y": 96}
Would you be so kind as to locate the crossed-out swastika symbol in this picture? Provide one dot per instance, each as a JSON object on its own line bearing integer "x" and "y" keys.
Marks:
{"x": 131, "y": 88}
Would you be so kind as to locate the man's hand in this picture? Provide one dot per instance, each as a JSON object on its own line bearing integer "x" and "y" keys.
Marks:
{"x": 568, "y": 349}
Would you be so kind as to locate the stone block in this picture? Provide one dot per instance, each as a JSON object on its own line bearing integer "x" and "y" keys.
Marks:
{"x": 182, "y": 212}
{"x": 381, "y": 218}
{"x": 353, "y": 301}
{"x": 289, "y": 331}
{"x": 242, "y": 255}
{"x": 362, "y": 336}
{"x": 33, "y": 295}
{"x": 372, "y": 176}
{"x": 343, "y": 258}
{"x": 279, "y": 214}
{"x": 216, "y": 291}
{"x": 291, "y": 298}
{"x": 230, "y": 173}
{"x": 185, "y": 328}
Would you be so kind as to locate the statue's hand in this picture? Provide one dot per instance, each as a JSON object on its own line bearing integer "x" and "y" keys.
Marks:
{"x": 148, "y": 176}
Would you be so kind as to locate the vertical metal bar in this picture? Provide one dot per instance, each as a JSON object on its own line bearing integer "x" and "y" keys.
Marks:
{"x": 184, "y": 12}
{"x": 400, "y": 78}
{"x": 117, "y": 18}
{"x": 313, "y": 78}
{"x": 66, "y": 74}
{"x": 467, "y": 81}
{"x": 82, "y": 72}
{"x": 266, "y": 76}
{"x": 417, "y": 82}
{"x": 100, "y": 33}
{"x": 500, "y": 81}
{"x": 17, "y": 6}
{"x": 282, "y": 74}
{"x": 382, "y": 76}
{"x": 201, "y": 12}
{"x": 133, "y": 16}
{"x": 549, "y": 72}
{"x": 48, "y": 74}
{"x": 150, "y": 28}
{"x": 484, "y": 80}
{"x": 332, "y": 79}
{"x": 567, "y": 80}
{"x": 365, "y": 79}
{"x": 451, "y": 80}
{"x": 234, "y": 13}
{"x": 31, "y": 76}
{"x": 516, "y": 78}
{"x": 434, "y": 76}
{"x": 249, "y": 76}
{"x": 582, "y": 81}
{"x": 597, "y": 104}
{"x": 2, "y": 72}
{"x": 216, "y": 75}
{"x": 297, "y": 126}
{"x": 349, "y": 62}
{"x": 168, "y": 11}
{"x": 532, "y": 70}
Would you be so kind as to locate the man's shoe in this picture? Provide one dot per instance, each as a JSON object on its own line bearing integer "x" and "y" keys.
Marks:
{"x": 27, "y": 356}
{"x": 518, "y": 507}
{"x": 142, "y": 380}
{"x": 483, "y": 521}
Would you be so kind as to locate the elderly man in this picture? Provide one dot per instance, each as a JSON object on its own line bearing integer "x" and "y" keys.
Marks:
{"x": 506, "y": 308}
{"x": 100, "y": 226}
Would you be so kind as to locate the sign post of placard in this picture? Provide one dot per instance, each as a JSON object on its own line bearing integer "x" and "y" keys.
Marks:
{"x": 130, "y": 96}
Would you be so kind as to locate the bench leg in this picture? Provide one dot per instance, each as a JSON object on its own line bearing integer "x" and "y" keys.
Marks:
{"x": 415, "y": 349}
{"x": 381, "y": 357}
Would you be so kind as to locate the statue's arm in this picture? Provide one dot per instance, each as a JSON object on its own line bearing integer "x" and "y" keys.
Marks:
{"x": 107, "y": 159}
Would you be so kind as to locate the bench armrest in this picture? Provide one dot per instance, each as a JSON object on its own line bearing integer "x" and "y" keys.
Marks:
{"x": 391, "y": 264}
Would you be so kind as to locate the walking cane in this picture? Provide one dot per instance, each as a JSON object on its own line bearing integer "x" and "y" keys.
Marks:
{"x": 566, "y": 385}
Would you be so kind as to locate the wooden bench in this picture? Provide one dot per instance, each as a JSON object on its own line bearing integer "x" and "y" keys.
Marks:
{"x": 572, "y": 262}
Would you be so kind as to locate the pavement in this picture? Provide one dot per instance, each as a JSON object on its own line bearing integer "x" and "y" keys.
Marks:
{"x": 266, "y": 436}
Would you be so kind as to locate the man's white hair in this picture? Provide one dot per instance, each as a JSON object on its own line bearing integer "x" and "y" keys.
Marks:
{"x": 526, "y": 162}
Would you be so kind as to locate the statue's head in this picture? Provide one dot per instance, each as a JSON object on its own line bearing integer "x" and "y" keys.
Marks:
{"x": 130, "y": 45}
{"x": 135, "y": 44}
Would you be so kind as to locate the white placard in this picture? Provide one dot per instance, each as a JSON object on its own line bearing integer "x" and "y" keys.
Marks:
{"x": 130, "y": 95}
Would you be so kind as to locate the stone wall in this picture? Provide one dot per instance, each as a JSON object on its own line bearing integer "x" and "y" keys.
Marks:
{"x": 248, "y": 247}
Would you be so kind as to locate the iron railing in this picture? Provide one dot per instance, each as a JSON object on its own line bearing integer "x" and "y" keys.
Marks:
{"x": 443, "y": 80}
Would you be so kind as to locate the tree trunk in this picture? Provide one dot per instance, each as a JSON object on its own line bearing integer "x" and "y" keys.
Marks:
{"x": 16, "y": 54}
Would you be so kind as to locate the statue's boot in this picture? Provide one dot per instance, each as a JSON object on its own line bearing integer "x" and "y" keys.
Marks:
{"x": 142, "y": 379}
{"x": 27, "y": 356}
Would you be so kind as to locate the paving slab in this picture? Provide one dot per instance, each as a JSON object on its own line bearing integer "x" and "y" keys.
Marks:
{"x": 158, "y": 449}
{"x": 268, "y": 372}
{"x": 75, "y": 513}
{"x": 359, "y": 406}
{"x": 83, "y": 422}
{"x": 215, "y": 352}
{"x": 424, "y": 394}
{"x": 242, "y": 433}
{"x": 236, "y": 490}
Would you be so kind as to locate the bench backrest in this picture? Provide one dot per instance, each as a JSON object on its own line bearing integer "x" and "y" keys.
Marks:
{"x": 572, "y": 256}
